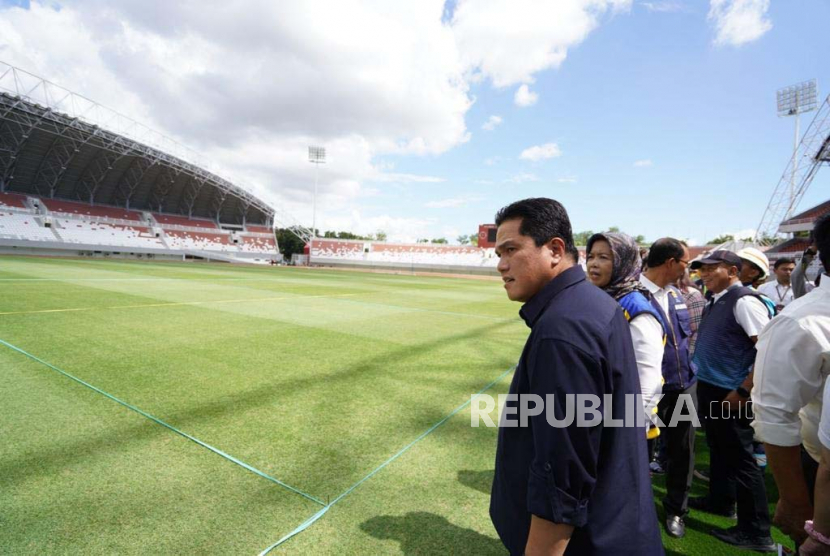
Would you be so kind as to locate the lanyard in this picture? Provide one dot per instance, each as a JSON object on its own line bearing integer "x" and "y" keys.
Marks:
{"x": 781, "y": 297}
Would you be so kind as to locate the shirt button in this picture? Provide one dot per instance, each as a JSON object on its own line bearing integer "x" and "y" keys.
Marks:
{"x": 547, "y": 467}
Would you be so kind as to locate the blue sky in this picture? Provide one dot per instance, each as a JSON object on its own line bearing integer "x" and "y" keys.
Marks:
{"x": 661, "y": 114}
{"x": 647, "y": 86}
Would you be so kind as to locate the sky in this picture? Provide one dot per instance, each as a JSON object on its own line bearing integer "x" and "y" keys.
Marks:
{"x": 654, "y": 116}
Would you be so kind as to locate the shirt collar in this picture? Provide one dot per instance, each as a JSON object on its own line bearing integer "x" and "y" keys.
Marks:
{"x": 652, "y": 287}
{"x": 717, "y": 296}
{"x": 532, "y": 310}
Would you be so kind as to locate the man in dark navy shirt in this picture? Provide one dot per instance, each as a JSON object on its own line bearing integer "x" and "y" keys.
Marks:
{"x": 573, "y": 490}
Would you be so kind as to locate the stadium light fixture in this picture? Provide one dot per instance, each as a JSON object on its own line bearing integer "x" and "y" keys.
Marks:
{"x": 792, "y": 101}
{"x": 317, "y": 156}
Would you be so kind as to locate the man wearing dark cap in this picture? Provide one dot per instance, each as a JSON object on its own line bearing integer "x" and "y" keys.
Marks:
{"x": 724, "y": 356}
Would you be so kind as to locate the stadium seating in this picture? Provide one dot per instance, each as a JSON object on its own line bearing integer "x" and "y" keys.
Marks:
{"x": 259, "y": 245}
{"x": 82, "y": 209}
{"x": 419, "y": 254}
{"x": 791, "y": 246}
{"x": 332, "y": 249}
{"x": 199, "y": 241}
{"x": 99, "y": 233}
{"x": 430, "y": 254}
{"x": 12, "y": 200}
{"x": 175, "y": 220}
{"x": 105, "y": 227}
{"x": 259, "y": 230}
{"x": 23, "y": 226}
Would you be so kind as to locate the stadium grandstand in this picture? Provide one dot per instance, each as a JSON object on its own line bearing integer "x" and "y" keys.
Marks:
{"x": 77, "y": 179}
{"x": 420, "y": 257}
{"x": 427, "y": 257}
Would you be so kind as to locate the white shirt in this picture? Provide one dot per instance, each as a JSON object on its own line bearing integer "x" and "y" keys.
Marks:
{"x": 780, "y": 295}
{"x": 660, "y": 294}
{"x": 647, "y": 335}
{"x": 791, "y": 370}
{"x": 824, "y": 426}
{"x": 750, "y": 312}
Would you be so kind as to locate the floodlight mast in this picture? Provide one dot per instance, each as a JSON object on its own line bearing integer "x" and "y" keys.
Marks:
{"x": 317, "y": 156}
{"x": 793, "y": 101}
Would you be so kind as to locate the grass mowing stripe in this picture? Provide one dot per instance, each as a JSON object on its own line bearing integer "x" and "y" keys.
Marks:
{"x": 338, "y": 295}
{"x": 310, "y": 521}
{"x": 163, "y": 424}
{"x": 174, "y": 304}
{"x": 436, "y": 311}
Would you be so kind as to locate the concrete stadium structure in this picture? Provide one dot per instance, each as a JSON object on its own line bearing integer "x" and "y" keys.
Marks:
{"x": 79, "y": 179}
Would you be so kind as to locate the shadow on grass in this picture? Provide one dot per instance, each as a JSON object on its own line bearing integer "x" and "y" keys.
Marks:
{"x": 428, "y": 534}
{"x": 481, "y": 481}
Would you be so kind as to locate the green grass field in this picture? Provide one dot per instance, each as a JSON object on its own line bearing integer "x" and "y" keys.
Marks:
{"x": 314, "y": 378}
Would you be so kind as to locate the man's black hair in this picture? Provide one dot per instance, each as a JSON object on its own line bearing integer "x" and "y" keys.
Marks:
{"x": 664, "y": 249}
{"x": 542, "y": 219}
{"x": 783, "y": 260}
{"x": 821, "y": 235}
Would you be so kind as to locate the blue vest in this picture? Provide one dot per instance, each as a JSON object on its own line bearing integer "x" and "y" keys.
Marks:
{"x": 678, "y": 370}
{"x": 724, "y": 354}
{"x": 635, "y": 303}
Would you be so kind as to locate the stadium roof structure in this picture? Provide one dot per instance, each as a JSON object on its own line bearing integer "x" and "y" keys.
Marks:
{"x": 58, "y": 144}
{"x": 804, "y": 221}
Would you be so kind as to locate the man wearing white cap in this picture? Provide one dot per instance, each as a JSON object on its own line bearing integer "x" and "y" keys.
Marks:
{"x": 754, "y": 272}
{"x": 757, "y": 271}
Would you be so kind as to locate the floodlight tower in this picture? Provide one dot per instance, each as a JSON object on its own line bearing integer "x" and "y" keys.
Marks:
{"x": 793, "y": 101}
{"x": 317, "y": 156}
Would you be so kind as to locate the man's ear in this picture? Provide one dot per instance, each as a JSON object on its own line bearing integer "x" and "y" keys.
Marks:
{"x": 557, "y": 250}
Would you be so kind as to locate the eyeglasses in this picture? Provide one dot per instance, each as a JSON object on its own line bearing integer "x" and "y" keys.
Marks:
{"x": 685, "y": 263}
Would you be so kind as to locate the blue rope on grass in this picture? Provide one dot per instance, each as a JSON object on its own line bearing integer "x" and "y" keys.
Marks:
{"x": 163, "y": 424}
{"x": 310, "y": 521}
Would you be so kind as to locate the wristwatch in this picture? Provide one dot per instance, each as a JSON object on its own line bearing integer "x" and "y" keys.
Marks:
{"x": 742, "y": 392}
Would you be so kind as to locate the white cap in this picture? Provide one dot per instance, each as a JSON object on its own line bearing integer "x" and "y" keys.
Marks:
{"x": 757, "y": 258}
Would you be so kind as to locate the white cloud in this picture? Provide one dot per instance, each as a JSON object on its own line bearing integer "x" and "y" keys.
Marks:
{"x": 524, "y": 97}
{"x": 665, "y": 6}
{"x": 643, "y": 163}
{"x": 541, "y": 152}
{"x": 522, "y": 178}
{"x": 739, "y": 22}
{"x": 567, "y": 179}
{"x": 406, "y": 230}
{"x": 491, "y": 123}
{"x": 250, "y": 97}
{"x": 454, "y": 202}
{"x": 509, "y": 42}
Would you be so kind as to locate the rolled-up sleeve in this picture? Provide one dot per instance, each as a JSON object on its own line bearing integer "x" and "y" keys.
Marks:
{"x": 787, "y": 377}
{"x": 563, "y": 470}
